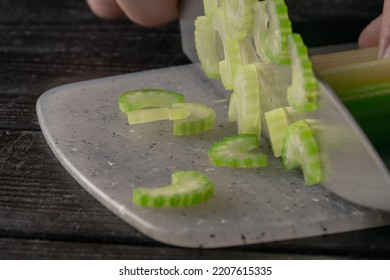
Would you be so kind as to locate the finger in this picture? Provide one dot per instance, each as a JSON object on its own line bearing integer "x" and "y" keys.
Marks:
{"x": 150, "y": 13}
{"x": 384, "y": 37}
{"x": 369, "y": 37}
{"x": 105, "y": 8}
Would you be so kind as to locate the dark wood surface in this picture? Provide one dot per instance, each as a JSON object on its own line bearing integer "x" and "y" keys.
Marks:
{"x": 44, "y": 213}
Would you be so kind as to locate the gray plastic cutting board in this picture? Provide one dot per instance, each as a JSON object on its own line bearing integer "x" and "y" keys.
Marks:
{"x": 109, "y": 157}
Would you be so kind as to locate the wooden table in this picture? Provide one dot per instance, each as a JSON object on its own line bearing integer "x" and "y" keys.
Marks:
{"x": 44, "y": 213}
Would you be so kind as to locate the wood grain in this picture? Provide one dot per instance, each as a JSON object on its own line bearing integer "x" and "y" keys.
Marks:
{"x": 39, "y": 198}
{"x": 59, "y": 250}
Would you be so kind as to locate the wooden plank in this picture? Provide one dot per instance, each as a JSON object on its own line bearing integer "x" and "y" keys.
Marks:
{"x": 331, "y": 10}
{"x": 39, "y": 198}
{"x": 36, "y": 57}
{"x": 45, "y": 249}
{"x": 17, "y": 112}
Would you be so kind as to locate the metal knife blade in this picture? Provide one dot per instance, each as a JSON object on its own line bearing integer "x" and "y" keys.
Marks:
{"x": 352, "y": 167}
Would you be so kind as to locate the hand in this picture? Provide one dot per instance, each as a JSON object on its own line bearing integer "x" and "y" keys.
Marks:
{"x": 149, "y": 13}
{"x": 377, "y": 33}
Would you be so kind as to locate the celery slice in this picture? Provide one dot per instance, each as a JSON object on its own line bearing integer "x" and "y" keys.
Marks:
{"x": 232, "y": 60}
{"x": 157, "y": 114}
{"x": 201, "y": 118}
{"x": 302, "y": 95}
{"x": 147, "y": 98}
{"x": 218, "y": 20}
{"x": 300, "y": 149}
{"x": 271, "y": 27}
{"x": 205, "y": 42}
{"x": 245, "y": 101}
{"x": 260, "y": 28}
{"x": 187, "y": 188}
{"x": 277, "y": 122}
{"x": 239, "y": 17}
{"x": 231, "y": 50}
{"x": 188, "y": 118}
{"x": 234, "y": 152}
{"x": 210, "y": 6}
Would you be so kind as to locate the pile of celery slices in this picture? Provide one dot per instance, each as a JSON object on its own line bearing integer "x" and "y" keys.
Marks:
{"x": 250, "y": 46}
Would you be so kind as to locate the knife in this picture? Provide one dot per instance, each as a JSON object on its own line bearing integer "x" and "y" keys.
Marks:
{"x": 353, "y": 168}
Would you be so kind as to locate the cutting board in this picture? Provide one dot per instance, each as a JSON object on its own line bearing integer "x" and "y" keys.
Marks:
{"x": 108, "y": 157}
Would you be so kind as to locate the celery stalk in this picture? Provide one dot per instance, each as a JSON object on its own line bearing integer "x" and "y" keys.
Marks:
{"x": 357, "y": 75}
{"x": 326, "y": 61}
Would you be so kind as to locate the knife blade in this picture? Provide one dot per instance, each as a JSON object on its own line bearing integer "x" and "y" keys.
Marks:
{"x": 352, "y": 167}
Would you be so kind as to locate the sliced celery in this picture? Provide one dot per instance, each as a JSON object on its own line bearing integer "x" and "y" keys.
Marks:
{"x": 157, "y": 114}
{"x": 205, "y": 42}
{"x": 260, "y": 28}
{"x": 210, "y": 6}
{"x": 231, "y": 50}
{"x": 277, "y": 122}
{"x": 187, "y": 188}
{"x": 239, "y": 17}
{"x": 232, "y": 60}
{"x": 234, "y": 151}
{"x": 302, "y": 95}
{"x": 218, "y": 20}
{"x": 201, "y": 118}
{"x": 244, "y": 107}
{"x": 300, "y": 149}
{"x": 271, "y": 27}
{"x": 147, "y": 98}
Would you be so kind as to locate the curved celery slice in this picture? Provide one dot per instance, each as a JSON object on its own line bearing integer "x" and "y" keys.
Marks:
{"x": 146, "y": 98}
{"x": 218, "y": 21}
{"x": 260, "y": 26}
{"x": 234, "y": 152}
{"x": 239, "y": 17}
{"x": 302, "y": 95}
{"x": 232, "y": 60}
{"x": 210, "y": 6}
{"x": 201, "y": 118}
{"x": 300, "y": 149}
{"x": 157, "y": 114}
{"x": 187, "y": 188}
{"x": 231, "y": 50}
{"x": 205, "y": 42}
{"x": 271, "y": 27}
{"x": 277, "y": 122}
{"x": 245, "y": 101}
